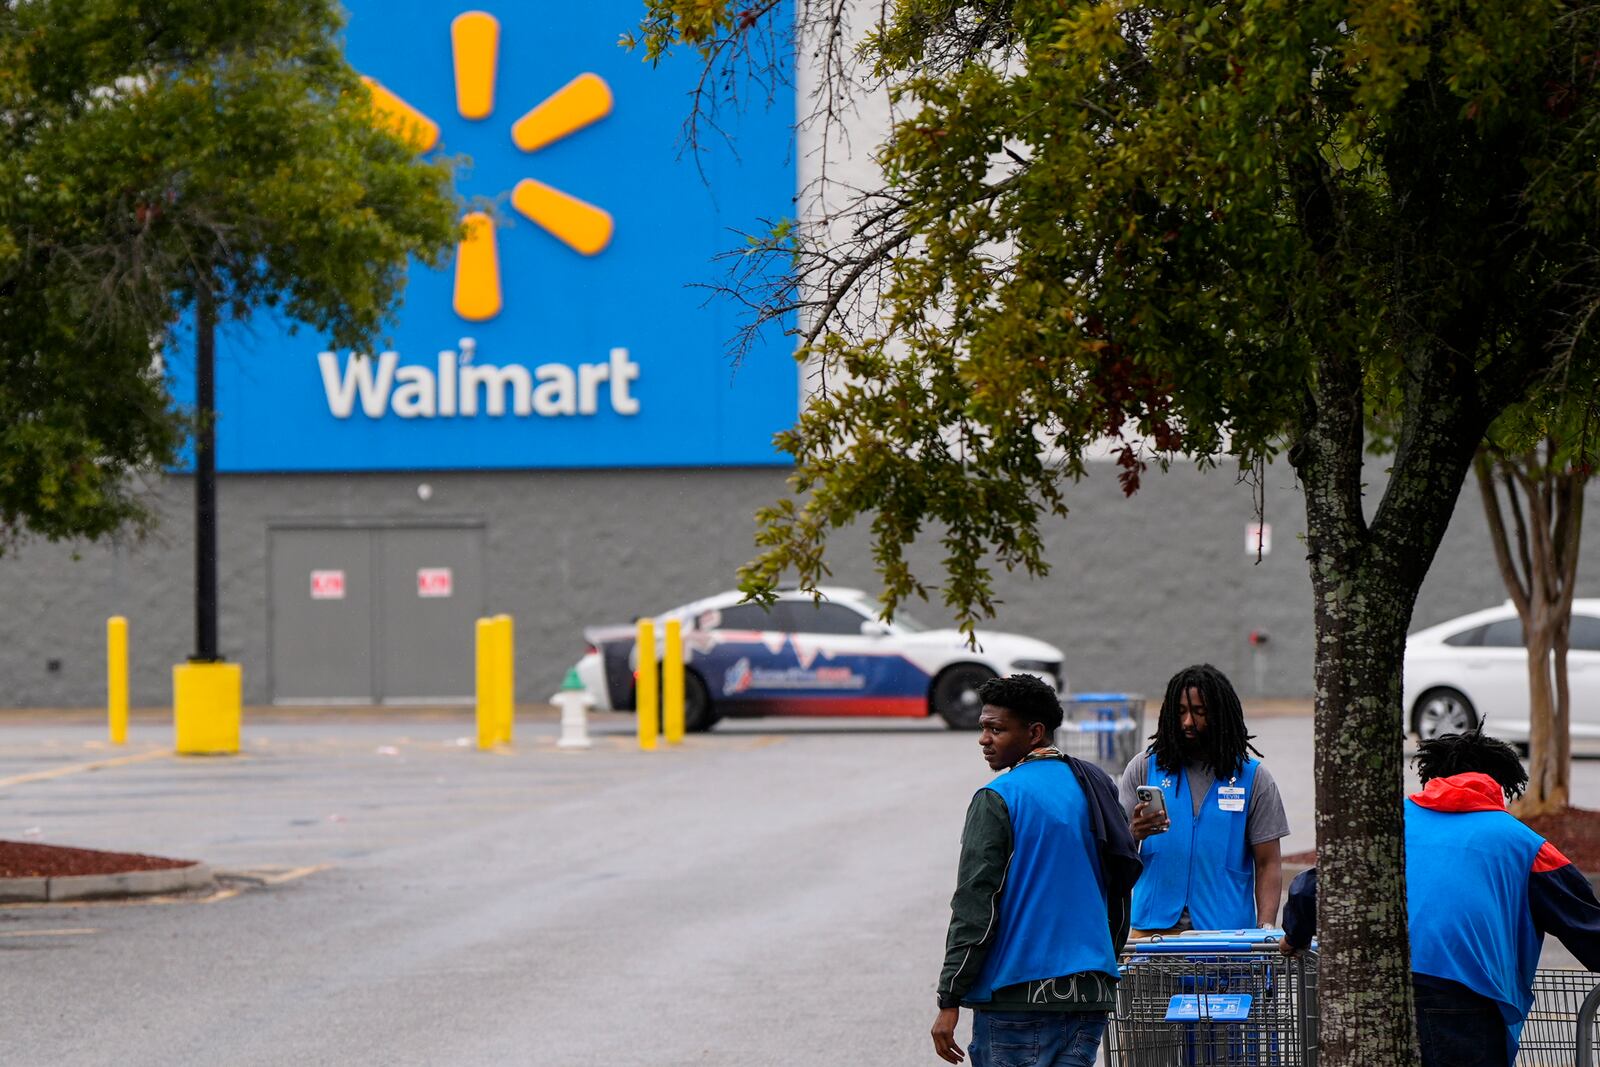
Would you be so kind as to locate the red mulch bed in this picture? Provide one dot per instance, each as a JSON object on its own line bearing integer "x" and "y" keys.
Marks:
{"x": 1575, "y": 831}
{"x": 18, "y": 859}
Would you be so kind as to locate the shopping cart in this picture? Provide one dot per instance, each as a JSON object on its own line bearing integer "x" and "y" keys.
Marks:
{"x": 1229, "y": 999}
{"x": 1560, "y": 1028}
{"x": 1105, "y": 729}
{"x": 1216, "y": 999}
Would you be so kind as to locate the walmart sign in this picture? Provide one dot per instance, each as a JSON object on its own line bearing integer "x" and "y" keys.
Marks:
{"x": 568, "y": 331}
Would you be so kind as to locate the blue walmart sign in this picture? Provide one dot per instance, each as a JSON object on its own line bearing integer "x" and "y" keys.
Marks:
{"x": 566, "y": 333}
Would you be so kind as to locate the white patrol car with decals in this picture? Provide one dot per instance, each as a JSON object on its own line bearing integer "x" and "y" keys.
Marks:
{"x": 799, "y": 656}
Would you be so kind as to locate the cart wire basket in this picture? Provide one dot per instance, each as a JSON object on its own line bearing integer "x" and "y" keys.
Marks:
{"x": 1105, "y": 729}
{"x": 1223, "y": 1001}
{"x": 1231, "y": 1000}
{"x": 1560, "y": 1030}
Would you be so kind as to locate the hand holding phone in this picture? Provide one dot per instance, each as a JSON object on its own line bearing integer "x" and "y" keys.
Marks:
{"x": 1151, "y": 815}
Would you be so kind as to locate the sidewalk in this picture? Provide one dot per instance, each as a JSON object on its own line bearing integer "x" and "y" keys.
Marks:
{"x": 1264, "y": 708}
{"x": 281, "y": 713}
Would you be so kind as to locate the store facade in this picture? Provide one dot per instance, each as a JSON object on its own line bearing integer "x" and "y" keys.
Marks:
{"x": 555, "y": 428}
{"x": 568, "y": 333}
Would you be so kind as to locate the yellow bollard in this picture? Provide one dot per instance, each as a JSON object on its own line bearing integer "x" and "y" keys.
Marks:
{"x": 672, "y": 683}
{"x": 487, "y": 678}
{"x": 117, "y": 678}
{"x": 645, "y": 685}
{"x": 206, "y": 700}
{"x": 506, "y": 686}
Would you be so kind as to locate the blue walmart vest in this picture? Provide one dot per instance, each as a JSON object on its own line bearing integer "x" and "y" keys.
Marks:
{"x": 1051, "y": 915}
{"x": 1202, "y": 861}
{"x": 1467, "y": 903}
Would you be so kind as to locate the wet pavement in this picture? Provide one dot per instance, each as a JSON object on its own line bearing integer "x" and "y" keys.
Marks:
{"x": 774, "y": 892}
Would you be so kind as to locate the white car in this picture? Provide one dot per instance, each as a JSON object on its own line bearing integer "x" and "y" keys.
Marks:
{"x": 801, "y": 657}
{"x": 1475, "y": 668}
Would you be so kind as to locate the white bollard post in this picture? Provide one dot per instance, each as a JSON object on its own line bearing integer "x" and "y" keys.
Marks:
{"x": 574, "y": 701}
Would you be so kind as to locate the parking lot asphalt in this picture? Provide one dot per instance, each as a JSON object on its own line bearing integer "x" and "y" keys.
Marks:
{"x": 774, "y": 892}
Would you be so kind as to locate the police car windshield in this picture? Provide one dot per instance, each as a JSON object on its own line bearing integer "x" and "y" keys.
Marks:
{"x": 901, "y": 619}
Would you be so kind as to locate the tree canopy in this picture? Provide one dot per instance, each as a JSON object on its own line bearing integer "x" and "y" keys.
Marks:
{"x": 152, "y": 149}
{"x": 1141, "y": 222}
{"x": 1235, "y": 228}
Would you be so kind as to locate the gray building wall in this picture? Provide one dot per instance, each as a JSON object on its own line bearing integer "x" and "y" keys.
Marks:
{"x": 1139, "y": 586}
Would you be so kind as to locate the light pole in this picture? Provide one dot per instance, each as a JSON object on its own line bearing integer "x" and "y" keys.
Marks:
{"x": 205, "y": 482}
{"x": 205, "y": 691}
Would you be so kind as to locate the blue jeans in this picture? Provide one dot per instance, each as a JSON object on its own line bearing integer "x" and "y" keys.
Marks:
{"x": 1458, "y": 1028}
{"x": 1036, "y": 1038}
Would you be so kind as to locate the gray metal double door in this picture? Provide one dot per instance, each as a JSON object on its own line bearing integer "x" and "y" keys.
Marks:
{"x": 374, "y": 614}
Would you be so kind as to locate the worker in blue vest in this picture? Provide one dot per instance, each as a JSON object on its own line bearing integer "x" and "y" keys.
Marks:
{"x": 1482, "y": 890}
{"x": 1211, "y": 848}
{"x": 1040, "y": 906}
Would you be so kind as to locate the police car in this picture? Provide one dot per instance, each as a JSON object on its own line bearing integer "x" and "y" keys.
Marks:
{"x": 800, "y": 656}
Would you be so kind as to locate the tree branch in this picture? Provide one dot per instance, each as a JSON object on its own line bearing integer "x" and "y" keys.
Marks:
{"x": 1521, "y": 526}
{"x": 1482, "y": 466}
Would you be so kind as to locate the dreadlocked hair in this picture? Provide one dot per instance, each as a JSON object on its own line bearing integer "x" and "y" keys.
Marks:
{"x": 1226, "y": 742}
{"x": 1452, "y": 754}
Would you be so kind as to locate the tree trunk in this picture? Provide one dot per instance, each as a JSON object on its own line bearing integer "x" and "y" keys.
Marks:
{"x": 1365, "y": 577}
{"x": 1568, "y": 538}
{"x": 1555, "y": 506}
{"x": 1547, "y": 771}
{"x": 1546, "y": 508}
{"x": 1562, "y": 778}
{"x": 1365, "y": 966}
{"x": 1364, "y": 970}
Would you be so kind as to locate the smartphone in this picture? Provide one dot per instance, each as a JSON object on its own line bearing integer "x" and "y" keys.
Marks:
{"x": 1152, "y": 798}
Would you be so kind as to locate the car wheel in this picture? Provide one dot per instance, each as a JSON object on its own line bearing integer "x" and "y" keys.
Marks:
{"x": 1442, "y": 711}
{"x": 698, "y": 713}
{"x": 955, "y": 695}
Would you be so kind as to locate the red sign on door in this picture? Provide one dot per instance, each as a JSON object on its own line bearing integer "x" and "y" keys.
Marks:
{"x": 327, "y": 585}
{"x": 434, "y": 581}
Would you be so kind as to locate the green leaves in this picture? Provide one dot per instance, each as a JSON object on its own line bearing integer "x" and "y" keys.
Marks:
{"x": 1154, "y": 230}
{"x": 150, "y": 150}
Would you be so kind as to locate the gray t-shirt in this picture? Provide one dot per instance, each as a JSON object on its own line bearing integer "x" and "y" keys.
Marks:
{"x": 1265, "y": 819}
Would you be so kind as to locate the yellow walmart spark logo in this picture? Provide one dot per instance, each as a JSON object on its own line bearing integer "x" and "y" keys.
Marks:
{"x": 586, "y": 99}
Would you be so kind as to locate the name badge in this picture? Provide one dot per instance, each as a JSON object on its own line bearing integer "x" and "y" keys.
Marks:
{"x": 1230, "y": 797}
